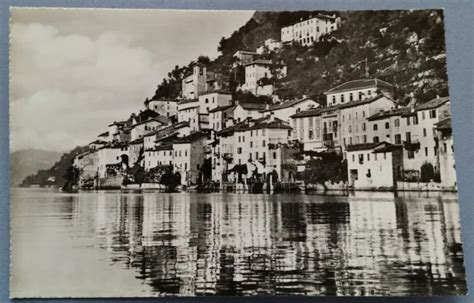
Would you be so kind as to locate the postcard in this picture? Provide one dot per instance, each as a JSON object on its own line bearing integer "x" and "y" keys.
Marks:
{"x": 231, "y": 153}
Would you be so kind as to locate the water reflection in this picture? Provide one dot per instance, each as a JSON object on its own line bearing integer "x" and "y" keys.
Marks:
{"x": 228, "y": 244}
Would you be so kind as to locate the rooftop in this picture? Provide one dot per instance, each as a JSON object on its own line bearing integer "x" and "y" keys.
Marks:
{"x": 432, "y": 103}
{"x": 286, "y": 104}
{"x": 104, "y": 134}
{"x": 377, "y": 147}
{"x": 390, "y": 113}
{"x": 444, "y": 124}
{"x": 359, "y": 84}
{"x": 221, "y": 108}
{"x": 252, "y": 106}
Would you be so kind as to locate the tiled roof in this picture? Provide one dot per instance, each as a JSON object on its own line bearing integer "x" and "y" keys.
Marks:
{"x": 268, "y": 124}
{"x": 160, "y": 119}
{"x": 252, "y": 106}
{"x": 137, "y": 141}
{"x": 188, "y": 101}
{"x": 286, "y": 104}
{"x": 191, "y": 138}
{"x": 444, "y": 124}
{"x": 360, "y": 84}
{"x": 432, "y": 103}
{"x": 98, "y": 142}
{"x": 260, "y": 62}
{"x": 104, "y": 134}
{"x": 217, "y": 91}
{"x": 389, "y": 113}
{"x": 118, "y": 123}
{"x": 221, "y": 108}
{"x": 378, "y": 147}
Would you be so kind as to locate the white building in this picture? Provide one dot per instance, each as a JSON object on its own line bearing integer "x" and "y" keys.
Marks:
{"x": 195, "y": 84}
{"x": 306, "y": 32}
{"x": 258, "y": 70}
{"x": 188, "y": 111}
{"x": 354, "y": 127}
{"x": 244, "y": 110}
{"x": 374, "y": 165}
{"x": 244, "y": 57}
{"x": 189, "y": 155}
{"x": 165, "y": 107}
{"x": 112, "y": 154}
{"x": 158, "y": 156}
{"x": 357, "y": 90}
{"x": 285, "y": 110}
{"x": 447, "y": 166}
{"x": 140, "y": 129}
{"x": 415, "y": 129}
{"x": 213, "y": 99}
{"x": 269, "y": 45}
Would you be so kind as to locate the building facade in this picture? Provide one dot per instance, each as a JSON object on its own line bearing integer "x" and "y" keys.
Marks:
{"x": 306, "y": 32}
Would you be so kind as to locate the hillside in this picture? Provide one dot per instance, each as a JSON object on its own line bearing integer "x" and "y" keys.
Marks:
{"x": 402, "y": 47}
{"x": 54, "y": 175}
{"x": 28, "y": 161}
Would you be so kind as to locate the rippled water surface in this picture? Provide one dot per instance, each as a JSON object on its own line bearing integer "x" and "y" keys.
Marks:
{"x": 152, "y": 244}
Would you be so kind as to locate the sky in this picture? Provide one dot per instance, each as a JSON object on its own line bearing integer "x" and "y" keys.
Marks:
{"x": 74, "y": 71}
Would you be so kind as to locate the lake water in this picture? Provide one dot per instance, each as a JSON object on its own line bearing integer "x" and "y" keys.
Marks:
{"x": 153, "y": 244}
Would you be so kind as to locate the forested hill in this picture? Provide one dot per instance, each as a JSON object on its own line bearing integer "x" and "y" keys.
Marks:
{"x": 402, "y": 47}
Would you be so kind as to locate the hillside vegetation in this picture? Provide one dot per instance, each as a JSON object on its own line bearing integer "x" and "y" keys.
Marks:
{"x": 405, "y": 48}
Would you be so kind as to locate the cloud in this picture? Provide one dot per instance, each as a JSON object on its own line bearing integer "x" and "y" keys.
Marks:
{"x": 67, "y": 88}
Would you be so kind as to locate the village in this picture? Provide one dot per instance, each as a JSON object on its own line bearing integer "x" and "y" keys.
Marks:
{"x": 209, "y": 140}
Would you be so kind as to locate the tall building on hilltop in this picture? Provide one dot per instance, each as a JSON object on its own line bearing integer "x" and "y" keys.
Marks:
{"x": 306, "y": 32}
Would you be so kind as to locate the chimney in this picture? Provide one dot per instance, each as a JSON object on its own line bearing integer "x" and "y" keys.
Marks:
{"x": 267, "y": 106}
{"x": 271, "y": 117}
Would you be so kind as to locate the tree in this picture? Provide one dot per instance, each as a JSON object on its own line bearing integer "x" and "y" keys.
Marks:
{"x": 170, "y": 180}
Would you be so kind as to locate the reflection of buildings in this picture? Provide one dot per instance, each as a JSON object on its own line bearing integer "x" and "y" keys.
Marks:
{"x": 228, "y": 244}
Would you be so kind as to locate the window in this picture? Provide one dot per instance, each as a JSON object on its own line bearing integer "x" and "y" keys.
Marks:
{"x": 344, "y": 141}
{"x": 411, "y": 154}
{"x": 256, "y": 155}
{"x": 408, "y": 120}
{"x": 387, "y": 125}
{"x": 263, "y": 143}
{"x": 385, "y": 156}
{"x": 445, "y": 147}
{"x": 289, "y": 133}
{"x": 350, "y": 141}
{"x": 351, "y": 97}
{"x": 251, "y": 144}
{"x": 368, "y": 173}
{"x": 361, "y": 158}
{"x": 207, "y": 101}
{"x": 433, "y": 113}
{"x": 375, "y": 127}
{"x": 239, "y": 150}
{"x": 398, "y": 139}
{"x": 363, "y": 127}
{"x": 363, "y": 113}
{"x": 364, "y": 138}
{"x": 435, "y": 151}
{"x": 342, "y": 100}
{"x": 360, "y": 95}
{"x": 397, "y": 123}
{"x": 263, "y": 131}
{"x": 375, "y": 157}
{"x": 310, "y": 134}
{"x": 350, "y": 129}
{"x": 274, "y": 155}
{"x": 415, "y": 119}
{"x": 333, "y": 99}
{"x": 251, "y": 134}
{"x": 353, "y": 158}
{"x": 422, "y": 115}
{"x": 376, "y": 139}
{"x": 424, "y": 132}
{"x": 368, "y": 157}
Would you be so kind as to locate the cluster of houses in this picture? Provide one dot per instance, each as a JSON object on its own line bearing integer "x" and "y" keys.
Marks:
{"x": 384, "y": 145}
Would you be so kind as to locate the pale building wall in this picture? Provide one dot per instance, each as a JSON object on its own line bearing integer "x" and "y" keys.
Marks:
{"x": 241, "y": 114}
{"x": 154, "y": 158}
{"x": 350, "y": 95}
{"x": 110, "y": 155}
{"x": 446, "y": 162}
{"x": 308, "y": 130}
{"x": 139, "y": 130}
{"x": 308, "y": 31}
{"x": 378, "y": 165}
{"x": 191, "y": 115}
{"x": 253, "y": 73}
{"x": 195, "y": 83}
{"x": 133, "y": 153}
{"x": 354, "y": 125}
{"x": 210, "y": 101}
{"x": 164, "y": 107}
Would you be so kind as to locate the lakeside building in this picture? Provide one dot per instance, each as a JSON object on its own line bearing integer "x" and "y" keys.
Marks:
{"x": 447, "y": 166}
{"x": 416, "y": 129}
{"x": 257, "y": 143}
{"x": 188, "y": 110}
{"x": 189, "y": 155}
{"x": 306, "y": 32}
{"x": 374, "y": 165}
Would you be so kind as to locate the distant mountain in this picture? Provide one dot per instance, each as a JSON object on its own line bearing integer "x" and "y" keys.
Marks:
{"x": 52, "y": 174}
{"x": 28, "y": 161}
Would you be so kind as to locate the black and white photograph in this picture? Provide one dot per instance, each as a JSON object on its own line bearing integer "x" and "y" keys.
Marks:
{"x": 159, "y": 153}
